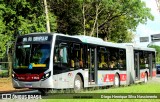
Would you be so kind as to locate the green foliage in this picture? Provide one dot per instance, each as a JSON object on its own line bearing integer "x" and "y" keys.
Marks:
{"x": 3, "y": 38}
{"x": 53, "y": 23}
{"x": 121, "y": 16}
{"x": 18, "y": 17}
{"x": 115, "y": 18}
{"x": 68, "y": 16}
{"x": 25, "y": 16}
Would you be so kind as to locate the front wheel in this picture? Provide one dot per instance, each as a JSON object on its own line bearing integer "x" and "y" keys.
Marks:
{"x": 116, "y": 80}
{"x": 78, "y": 84}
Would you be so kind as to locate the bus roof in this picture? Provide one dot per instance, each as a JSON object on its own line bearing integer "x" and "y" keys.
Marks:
{"x": 137, "y": 47}
{"x": 93, "y": 40}
{"x": 144, "y": 48}
{"x": 98, "y": 41}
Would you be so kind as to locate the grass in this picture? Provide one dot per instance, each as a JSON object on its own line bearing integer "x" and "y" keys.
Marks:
{"x": 3, "y": 73}
{"x": 138, "y": 88}
{"x": 150, "y": 87}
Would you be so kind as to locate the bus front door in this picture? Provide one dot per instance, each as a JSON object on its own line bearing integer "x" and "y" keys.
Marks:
{"x": 137, "y": 70}
{"x": 92, "y": 65}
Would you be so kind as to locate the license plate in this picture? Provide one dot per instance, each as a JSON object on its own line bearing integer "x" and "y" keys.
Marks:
{"x": 28, "y": 85}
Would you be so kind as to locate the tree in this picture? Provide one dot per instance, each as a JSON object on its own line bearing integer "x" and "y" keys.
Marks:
{"x": 68, "y": 16}
{"x": 4, "y": 38}
{"x": 114, "y": 18}
{"x": 91, "y": 10}
{"x": 25, "y": 16}
{"x": 122, "y": 17}
{"x": 18, "y": 17}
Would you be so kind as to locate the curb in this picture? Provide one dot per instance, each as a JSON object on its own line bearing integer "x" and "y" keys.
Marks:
{"x": 12, "y": 91}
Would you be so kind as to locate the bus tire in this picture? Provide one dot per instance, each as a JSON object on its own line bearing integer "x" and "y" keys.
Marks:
{"x": 145, "y": 78}
{"x": 78, "y": 84}
{"x": 116, "y": 80}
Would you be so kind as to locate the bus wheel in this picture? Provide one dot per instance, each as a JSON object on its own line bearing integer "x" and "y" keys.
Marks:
{"x": 116, "y": 80}
{"x": 78, "y": 84}
{"x": 145, "y": 78}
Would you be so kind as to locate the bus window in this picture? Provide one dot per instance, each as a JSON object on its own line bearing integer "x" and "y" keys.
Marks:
{"x": 76, "y": 56}
{"x": 45, "y": 51}
{"x": 60, "y": 57}
{"x": 113, "y": 57}
{"x": 36, "y": 55}
{"x": 144, "y": 59}
{"x": 103, "y": 58}
{"x": 61, "y": 53}
{"x": 122, "y": 59}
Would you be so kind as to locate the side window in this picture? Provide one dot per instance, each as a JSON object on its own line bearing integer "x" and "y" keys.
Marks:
{"x": 76, "y": 57}
{"x": 141, "y": 59}
{"x": 102, "y": 58}
{"x": 56, "y": 53}
{"x": 61, "y": 53}
{"x": 122, "y": 59}
{"x": 113, "y": 57}
{"x": 109, "y": 57}
{"x": 61, "y": 63}
{"x": 146, "y": 59}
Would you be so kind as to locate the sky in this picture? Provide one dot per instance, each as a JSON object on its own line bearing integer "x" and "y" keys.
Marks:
{"x": 151, "y": 27}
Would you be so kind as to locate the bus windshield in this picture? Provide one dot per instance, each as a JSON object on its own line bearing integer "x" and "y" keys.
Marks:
{"x": 32, "y": 56}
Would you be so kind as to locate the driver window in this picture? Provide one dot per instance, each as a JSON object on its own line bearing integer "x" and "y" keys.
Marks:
{"x": 61, "y": 53}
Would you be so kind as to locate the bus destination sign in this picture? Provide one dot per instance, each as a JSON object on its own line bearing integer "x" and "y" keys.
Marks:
{"x": 35, "y": 38}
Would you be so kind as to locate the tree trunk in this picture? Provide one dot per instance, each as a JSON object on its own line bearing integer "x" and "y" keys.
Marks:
{"x": 84, "y": 21}
{"x": 10, "y": 64}
{"x": 95, "y": 21}
{"x": 105, "y": 38}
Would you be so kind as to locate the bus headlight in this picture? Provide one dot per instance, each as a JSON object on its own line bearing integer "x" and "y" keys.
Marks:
{"x": 46, "y": 76}
{"x": 14, "y": 76}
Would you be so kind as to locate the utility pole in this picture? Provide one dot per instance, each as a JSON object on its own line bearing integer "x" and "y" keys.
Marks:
{"x": 47, "y": 18}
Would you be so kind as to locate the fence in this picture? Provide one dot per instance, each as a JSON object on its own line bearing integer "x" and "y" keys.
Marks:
{"x": 4, "y": 69}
